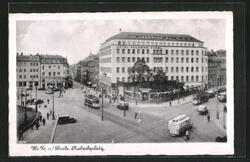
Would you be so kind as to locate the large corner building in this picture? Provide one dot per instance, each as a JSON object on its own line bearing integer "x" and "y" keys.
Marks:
{"x": 181, "y": 57}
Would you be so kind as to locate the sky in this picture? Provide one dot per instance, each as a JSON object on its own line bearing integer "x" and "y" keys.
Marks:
{"x": 75, "y": 39}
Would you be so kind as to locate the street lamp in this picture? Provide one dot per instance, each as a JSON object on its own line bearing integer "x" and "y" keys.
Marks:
{"x": 53, "y": 113}
{"x": 217, "y": 109}
{"x": 36, "y": 99}
{"x": 124, "y": 113}
{"x": 102, "y": 103}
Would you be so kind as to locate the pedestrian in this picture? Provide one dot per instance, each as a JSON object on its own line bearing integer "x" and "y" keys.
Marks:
{"x": 44, "y": 121}
{"x": 37, "y": 124}
{"x": 208, "y": 117}
{"x": 50, "y": 112}
{"x": 48, "y": 101}
{"x": 135, "y": 102}
{"x": 47, "y": 115}
{"x": 135, "y": 115}
{"x": 187, "y": 135}
{"x": 170, "y": 103}
{"x": 183, "y": 97}
{"x": 21, "y": 135}
{"x": 40, "y": 118}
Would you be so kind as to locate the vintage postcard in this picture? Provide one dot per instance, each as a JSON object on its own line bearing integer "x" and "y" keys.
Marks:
{"x": 128, "y": 83}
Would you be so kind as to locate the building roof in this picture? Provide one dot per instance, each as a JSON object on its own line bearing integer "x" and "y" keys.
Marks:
{"x": 153, "y": 36}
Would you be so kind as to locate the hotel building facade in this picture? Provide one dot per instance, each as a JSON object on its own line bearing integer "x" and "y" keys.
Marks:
{"x": 181, "y": 57}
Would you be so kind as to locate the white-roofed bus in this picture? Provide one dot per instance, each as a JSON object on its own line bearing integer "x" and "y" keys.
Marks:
{"x": 179, "y": 125}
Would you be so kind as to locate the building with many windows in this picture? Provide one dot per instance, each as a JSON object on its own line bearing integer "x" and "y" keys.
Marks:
{"x": 28, "y": 70}
{"x": 41, "y": 70}
{"x": 181, "y": 57}
{"x": 216, "y": 68}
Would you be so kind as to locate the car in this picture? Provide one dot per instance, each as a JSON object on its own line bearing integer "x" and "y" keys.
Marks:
{"x": 28, "y": 89}
{"x": 221, "y": 139}
{"x": 30, "y": 101}
{"x": 84, "y": 91}
{"x": 66, "y": 120}
{"x": 123, "y": 106}
{"x": 202, "y": 109}
{"x": 38, "y": 101}
{"x": 49, "y": 91}
{"x": 56, "y": 89}
{"x": 41, "y": 88}
{"x": 222, "y": 97}
{"x": 211, "y": 93}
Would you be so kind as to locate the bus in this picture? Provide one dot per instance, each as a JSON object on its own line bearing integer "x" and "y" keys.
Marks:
{"x": 91, "y": 101}
{"x": 200, "y": 98}
{"x": 179, "y": 125}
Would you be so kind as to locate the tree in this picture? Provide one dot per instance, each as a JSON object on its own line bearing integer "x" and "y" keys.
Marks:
{"x": 139, "y": 72}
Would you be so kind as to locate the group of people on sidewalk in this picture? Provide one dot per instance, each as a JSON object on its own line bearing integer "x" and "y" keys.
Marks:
{"x": 36, "y": 122}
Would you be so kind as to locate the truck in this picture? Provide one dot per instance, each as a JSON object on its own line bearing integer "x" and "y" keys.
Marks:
{"x": 179, "y": 125}
{"x": 200, "y": 98}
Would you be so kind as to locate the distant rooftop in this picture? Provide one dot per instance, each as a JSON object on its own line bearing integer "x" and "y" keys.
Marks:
{"x": 154, "y": 36}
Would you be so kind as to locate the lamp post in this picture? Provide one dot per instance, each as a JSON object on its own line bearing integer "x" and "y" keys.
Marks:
{"x": 217, "y": 109}
{"x": 124, "y": 113}
{"x": 224, "y": 116}
{"x": 102, "y": 103}
{"x": 53, "y": 113}
{"x": 36, "y": 99}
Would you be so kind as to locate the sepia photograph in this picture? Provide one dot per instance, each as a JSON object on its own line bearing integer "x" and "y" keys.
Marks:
{"x": 156, "y": 83}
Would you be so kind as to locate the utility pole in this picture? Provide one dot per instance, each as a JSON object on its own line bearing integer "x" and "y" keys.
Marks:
{"x": 102, "y": 103}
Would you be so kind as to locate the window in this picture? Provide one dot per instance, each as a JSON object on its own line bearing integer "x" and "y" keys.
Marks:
{"x": 192, "y": 52}
{"x": 20, "y": 76}
{"x": 31, "y": 64}
{"x": 202, "y": 69}
{"x": 177, "y": 60}
{"x": 123, "y": 51}
{"x": 133, "y": 51}
{"x": 123, "y": 42}
{"x": 117, "y": 70}
{"x": 43, "y": 67}
{"x": 187, "y": 52}
{"x": 192, "y": 69}
{"x": 182, "y": 60}
{"x": 128, "y": 69}
{"x": 133, "y": 59}
{"x": 30, "y": 70}
{"x": 172, "y": 77}
{"x": 166, "y": 52}
{"x": 123, "y": 69}
{"x": 202, "y": 60}
{"x": 177, "y": 69}
{"x": 117, "y": 79}
{"x": 197, "y": 78}
{"x": 49, "y": 66}
{"x": 58, "y": 73}
{"x": 138, "y": 58}
{"x": 177, "y": 77}
{"x": 186, "y": 69}
{"x": 138, "y": 51}
{"x": 166, "y": 69}
{"x": 197, "y": 60}
{"x": 147, "y": 51}
{"x": 177, "y": 52}
{"x": 119, "y": 42}
{"x": 24, "y": 76}
{"x": 172, "y": 60}
{"x": 182, "y": 52}
{"x": 182, "y": 69}
{"x": 166, "y": 59}
{"x": 197, "y": 52}
{"x": 192, "y": 78}
{"x": 123, "y": 59}
{"x": 49, "y": 73}
{"x": 30, "y": 76}
{"x": 123, "y": 79}
{"x": 128, "y": 59}
{"x": 187, "y": 78}
{"x": 118, "y": 59}
{"x": 172, "y": 69}
{"x": 182, "y": 78}
{"x": 187, "y": 60}
{"x": 197, "y": 69}
{"x": 118, "y": 51}
{"x": 128, "y": 51}
{"x": 54, "y": 73}
{"x": 43, "y": 73}
{"x": 192, "y": 60}
{"x": 24, "y": 70}
{"x": 143, "y": 51}
{"x": 20, "y": 84}
{"x": 172, "y": 52}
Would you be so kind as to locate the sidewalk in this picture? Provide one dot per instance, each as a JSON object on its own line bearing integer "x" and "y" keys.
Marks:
{"x": 45, "y": 133}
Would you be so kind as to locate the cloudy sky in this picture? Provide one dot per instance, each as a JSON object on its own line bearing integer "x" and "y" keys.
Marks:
{"x": 76, "y": 39}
